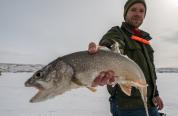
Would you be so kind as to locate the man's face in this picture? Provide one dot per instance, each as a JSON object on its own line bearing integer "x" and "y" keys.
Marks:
{"x": 135, "y": 15}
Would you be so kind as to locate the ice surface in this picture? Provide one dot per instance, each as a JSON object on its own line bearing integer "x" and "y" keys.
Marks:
{"x": 14, "y": 98}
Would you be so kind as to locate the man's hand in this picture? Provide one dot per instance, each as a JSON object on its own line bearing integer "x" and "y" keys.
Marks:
{"x": 104, "y": 78}
{"x": 158, "y": 102}
{"x": 92, "y": 48}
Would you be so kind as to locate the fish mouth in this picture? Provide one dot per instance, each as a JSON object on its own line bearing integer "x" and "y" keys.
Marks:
{"x": 36, "y": 97}
{"x": 36, "y": 85}
{"x": 39, "y": 87}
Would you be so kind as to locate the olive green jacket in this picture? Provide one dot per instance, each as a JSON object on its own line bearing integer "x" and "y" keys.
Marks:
{"x": 139, "y": 52}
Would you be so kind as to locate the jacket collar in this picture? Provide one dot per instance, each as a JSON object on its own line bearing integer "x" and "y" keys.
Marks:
{"x": 126, "y": 27}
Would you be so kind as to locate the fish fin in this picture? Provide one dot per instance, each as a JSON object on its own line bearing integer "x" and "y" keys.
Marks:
{"x": 115, "y": 47}
{"x": 103, "y": 48}
{"x": 126, "y": 89}
{"x": 92, "y": 89}
{"x": 77, "y": 82}
{"x": 143, "y": 92}
{"x": 138, "y": 84}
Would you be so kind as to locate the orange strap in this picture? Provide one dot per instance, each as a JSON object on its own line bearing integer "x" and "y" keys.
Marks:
{"x": 139, "y": 39}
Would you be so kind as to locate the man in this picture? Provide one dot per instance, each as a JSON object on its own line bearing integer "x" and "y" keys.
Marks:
{"x": 134, "y": 43}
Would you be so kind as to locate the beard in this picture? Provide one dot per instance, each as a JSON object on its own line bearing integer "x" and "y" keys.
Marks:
{"x": 134, "y": 21}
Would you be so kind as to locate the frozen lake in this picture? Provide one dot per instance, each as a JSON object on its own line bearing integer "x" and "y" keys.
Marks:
{"x": 14, "y": 98}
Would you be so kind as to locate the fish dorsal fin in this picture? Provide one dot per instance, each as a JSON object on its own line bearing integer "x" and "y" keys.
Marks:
{"x": 115, "y": 47}
{"x": 79, "y": 83}
{"x": 126, "y": 89}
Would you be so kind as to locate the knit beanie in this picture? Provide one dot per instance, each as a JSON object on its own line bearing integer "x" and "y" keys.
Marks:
{"x": 129, "y": 3}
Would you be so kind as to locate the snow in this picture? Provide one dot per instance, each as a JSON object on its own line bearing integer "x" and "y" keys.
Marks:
{"x": 16, "y": 68}
{"x": 14, "y": 98}
{"x": 79, "y": 102}
{"x": 167, "y": 85}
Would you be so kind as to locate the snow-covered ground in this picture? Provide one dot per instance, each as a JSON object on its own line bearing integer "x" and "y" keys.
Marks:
{"x": 14, "y": 98}
{"x": 168, "y": 89}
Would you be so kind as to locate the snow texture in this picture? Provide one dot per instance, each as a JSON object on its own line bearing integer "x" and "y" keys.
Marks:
{"x": 14, "y": 98}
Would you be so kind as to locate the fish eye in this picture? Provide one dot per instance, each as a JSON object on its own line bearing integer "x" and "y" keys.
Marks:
{"x": 39, "y": 74}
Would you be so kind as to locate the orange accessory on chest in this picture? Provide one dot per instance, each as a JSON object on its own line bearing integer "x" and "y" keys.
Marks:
{"x": 139, "y": 39}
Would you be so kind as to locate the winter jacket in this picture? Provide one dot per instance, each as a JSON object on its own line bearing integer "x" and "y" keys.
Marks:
{"x": 139, "y": 52}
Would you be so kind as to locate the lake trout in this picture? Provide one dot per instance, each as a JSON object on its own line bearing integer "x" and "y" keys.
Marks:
{"x": 79, "y": 69}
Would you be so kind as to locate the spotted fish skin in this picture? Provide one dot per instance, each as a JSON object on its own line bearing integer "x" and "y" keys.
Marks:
{"x": 79, "y": 69}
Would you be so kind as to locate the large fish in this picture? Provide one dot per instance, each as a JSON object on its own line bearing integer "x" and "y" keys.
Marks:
{"x": 79, "y": 69}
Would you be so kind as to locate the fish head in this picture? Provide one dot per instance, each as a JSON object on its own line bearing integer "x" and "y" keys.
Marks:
{"x": 41, "y": 78}
{"x": 52, "y": 80}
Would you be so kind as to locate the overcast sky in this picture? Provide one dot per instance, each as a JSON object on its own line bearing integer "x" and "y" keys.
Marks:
{"x": 38, "y": 31}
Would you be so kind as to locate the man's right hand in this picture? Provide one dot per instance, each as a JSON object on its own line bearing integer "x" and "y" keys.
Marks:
{"x": 104, "y": 78}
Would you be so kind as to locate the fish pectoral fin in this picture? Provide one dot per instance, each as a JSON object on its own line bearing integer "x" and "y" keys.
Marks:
{"x": 126, "y": 88}
{"x": 77, "y": 82}
{"x": 92, "y": 89}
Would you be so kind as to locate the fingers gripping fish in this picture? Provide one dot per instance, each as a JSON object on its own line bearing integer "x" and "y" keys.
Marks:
{"x": 79, "y": 69}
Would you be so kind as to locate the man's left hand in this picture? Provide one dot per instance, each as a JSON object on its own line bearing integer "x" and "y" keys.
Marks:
{"x": 158, "y": 102}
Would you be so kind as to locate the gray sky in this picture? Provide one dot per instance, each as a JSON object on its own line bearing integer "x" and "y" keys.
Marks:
{"x": 38, "y": 31}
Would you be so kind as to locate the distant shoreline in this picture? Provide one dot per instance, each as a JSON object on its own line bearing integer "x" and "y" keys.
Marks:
{"x": 19, "y": 68}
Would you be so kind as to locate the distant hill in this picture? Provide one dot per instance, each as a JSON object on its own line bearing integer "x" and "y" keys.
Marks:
{"x": 167, "y": 70}
{"x": 16, "y": 68}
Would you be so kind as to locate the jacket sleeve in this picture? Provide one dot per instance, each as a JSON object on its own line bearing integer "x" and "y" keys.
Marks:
{"x": 156, "y": 89}
{"x": 112, "y": 36}
{"x": 155, "y": 76}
